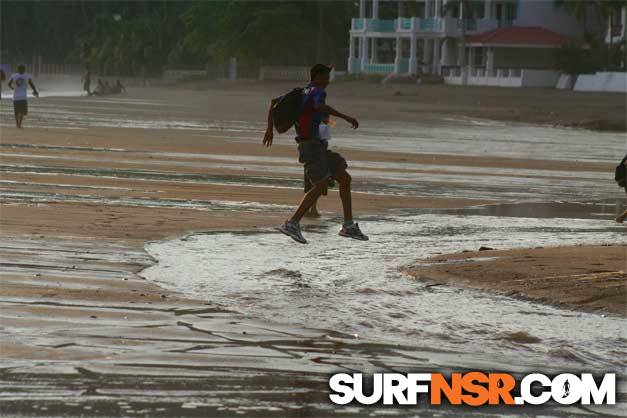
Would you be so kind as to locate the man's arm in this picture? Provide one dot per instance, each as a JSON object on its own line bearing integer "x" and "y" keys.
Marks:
{"x": 32, "y": 86}
{"x": 324, "y": 108}
{"x": 267, "y": 139}
{"x": 10, "y": 84}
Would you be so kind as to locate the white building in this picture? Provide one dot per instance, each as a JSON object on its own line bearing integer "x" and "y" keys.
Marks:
{"x": 616, "y": 25}
{"x": 501, "y": 42}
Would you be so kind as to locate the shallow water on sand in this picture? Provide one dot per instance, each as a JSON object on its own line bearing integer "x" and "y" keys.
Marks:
{"x": 447, "y": 135}
{"x": 355, "y": 287}
{"x": 465, "y": 136}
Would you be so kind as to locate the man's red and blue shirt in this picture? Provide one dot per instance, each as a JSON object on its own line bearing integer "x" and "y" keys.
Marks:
{"x": 308, "y": 124}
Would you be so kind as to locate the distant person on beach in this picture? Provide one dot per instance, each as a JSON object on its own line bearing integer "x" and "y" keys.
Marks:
{"x": 118, "y": 88}
{"x": 19, "y": 83}
{"x": 321, "y": 165}
{"x": 325, "y": 137}
{"x": 143, "y": 75}
{"x": 3, "y": 77}
{"x": 107, "y": 87}
{"x": 87, "y": 81}
{"x": 100, "y": 88}
{"x": 621, "y": 179}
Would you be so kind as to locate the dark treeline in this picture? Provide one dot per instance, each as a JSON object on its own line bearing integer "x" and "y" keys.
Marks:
{"x": 133, "y": 37}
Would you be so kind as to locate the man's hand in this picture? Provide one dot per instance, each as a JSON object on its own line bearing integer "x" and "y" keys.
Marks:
{"x": 325, "y": 108}
{"x": 352, "y": 121}
{"x": 267, "y": 138}
{"x": 36, "y": 93}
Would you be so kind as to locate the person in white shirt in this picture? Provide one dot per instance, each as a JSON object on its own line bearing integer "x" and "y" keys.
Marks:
{"x": 19, "y": 83}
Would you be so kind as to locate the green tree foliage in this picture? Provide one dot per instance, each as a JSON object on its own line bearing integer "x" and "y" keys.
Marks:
{"x": 573, "y": 59}
{"x": 282, "y": 32}
{"x": 594, "y": 15}
{"x": 128, "y": 37}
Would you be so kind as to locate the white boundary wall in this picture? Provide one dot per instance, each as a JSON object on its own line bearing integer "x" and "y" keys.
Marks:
{"x": 610, "y": 81}
{"x": 288, "y": 73}
{"x": 539, "y": 78}
{"x": 175, "y": 75}
{"x": 510, "y": 78}
{"x": 565, "y": 82}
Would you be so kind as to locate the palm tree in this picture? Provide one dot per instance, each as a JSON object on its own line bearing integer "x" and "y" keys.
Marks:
{"x": 581, "y": 10}
{"x": 578, "y": 9}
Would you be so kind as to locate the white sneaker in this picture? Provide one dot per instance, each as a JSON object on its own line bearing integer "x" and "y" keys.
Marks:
{"x": 292, "y": 230}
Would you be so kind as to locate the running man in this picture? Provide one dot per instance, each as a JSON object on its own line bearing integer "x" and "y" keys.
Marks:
{"x": 21, "y": 80}
{"x": 321, "y": 165}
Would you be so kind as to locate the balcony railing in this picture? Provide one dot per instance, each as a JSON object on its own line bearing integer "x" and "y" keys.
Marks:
{"x": 469, "y": 25}
{"x": 451, "y": 71}
{"x": 356, "y": 65}
{"x": 404, "y": 65}
{"x": 405, "y": 23}
{"x": 480, "y": 71}
{"x": 380, "y": 25}
{"x": 448, "y": 25}
{"x": 617, "y": 30}
{"x": 375, "y": 25}
{"x": 429, "y": 25}
{"x": 402, "y": 24}
{"x": 477, "y": 72}
{"x": 379, "y": 68}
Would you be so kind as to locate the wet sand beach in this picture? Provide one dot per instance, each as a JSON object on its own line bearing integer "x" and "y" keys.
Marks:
{"x": 590, "y": 278}
{"x": 141, "y": 275}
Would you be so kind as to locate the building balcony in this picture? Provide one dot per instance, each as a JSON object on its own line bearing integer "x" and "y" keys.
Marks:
{"x": 402, "y": 25}
{"x": 469, "y": 25}
{"x": 374, "y": 25}
{"x": 379, "y": 67}
{"x": 448, "y": 26}
{"x": 615, "y": 34}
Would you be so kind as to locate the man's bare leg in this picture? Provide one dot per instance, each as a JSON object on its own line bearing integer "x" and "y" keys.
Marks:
{"x": 309, "y": 200}
{"x": 344, "y": 181}
{"x": 622, "y": 217}
{"x": 313, "y": 211}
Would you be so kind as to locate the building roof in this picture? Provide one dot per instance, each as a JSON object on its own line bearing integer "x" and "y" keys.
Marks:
{"x": 518, "y": 36}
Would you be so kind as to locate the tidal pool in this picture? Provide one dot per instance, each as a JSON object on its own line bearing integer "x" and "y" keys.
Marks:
{"x": 356, "y": 288}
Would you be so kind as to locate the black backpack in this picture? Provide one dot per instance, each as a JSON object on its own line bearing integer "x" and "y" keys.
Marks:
{"x": 286, "y": 110}
{"x": 621, "y": 173}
